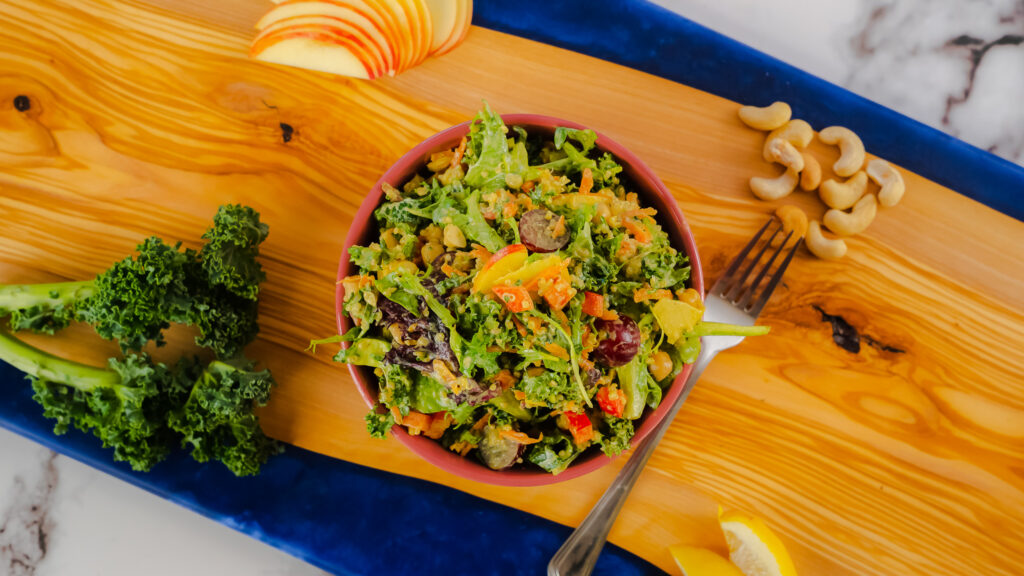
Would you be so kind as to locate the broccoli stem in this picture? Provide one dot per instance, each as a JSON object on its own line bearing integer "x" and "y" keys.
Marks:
{"x": 50, "y": 368}
{"x": 18, "y": 296}
{"x": 720, "y": 329}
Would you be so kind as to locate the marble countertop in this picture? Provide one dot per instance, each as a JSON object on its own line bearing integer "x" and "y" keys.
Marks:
{"x": 957, "y": 66}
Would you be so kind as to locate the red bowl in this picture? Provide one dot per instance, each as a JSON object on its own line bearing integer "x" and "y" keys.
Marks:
{"x": 641, "y": 180}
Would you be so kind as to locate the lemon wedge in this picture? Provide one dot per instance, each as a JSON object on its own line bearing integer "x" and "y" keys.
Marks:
{"x": 753, "y": 547}
{"x": 695, "y": 561}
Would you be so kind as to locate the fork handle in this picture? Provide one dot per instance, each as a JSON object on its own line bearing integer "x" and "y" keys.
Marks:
{"x": 579, "y": 553}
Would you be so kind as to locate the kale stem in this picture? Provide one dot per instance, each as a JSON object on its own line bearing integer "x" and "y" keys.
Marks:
{"x": 720, "y": 329}
{"x": 50, "y": 368}
{"x": 572, "y": 352}
{"x": 18, "y": 296}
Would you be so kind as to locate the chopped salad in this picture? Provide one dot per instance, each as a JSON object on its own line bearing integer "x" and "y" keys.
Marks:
{"x": 520, "y": 305}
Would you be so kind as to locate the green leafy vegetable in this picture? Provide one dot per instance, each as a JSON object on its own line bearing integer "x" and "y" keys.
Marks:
{"x": 378, "y": 425}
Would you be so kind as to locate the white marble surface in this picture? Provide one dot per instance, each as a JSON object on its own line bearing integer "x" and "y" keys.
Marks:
{"x": 957, "y": 65}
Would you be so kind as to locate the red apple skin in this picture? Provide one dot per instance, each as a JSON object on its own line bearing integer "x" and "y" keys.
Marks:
{"x": 510, "y": 249}
{"x": 318, "y": 34}
{"x": 383, "y": 22}
{"x": 364, "y": 39}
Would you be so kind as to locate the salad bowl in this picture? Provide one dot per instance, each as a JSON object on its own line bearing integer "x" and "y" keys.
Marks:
{"x": 651, "y": 192}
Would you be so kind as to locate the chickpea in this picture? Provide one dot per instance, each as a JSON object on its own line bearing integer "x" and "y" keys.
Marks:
{"x": 692, "y": 297}
{"x": 431, "y": 233}
{"x": 397, "y": 265}
{"x": 453, "y": 237}
{"x": 660, "y": 365}
{"x": 430, "y": 252}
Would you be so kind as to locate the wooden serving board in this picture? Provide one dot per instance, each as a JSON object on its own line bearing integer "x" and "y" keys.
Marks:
{"x": 146, "y": 116}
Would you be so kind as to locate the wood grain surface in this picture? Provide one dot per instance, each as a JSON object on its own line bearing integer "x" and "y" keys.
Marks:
{"x": 146, "y": 116}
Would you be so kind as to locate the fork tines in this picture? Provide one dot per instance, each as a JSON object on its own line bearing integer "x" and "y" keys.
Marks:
{"x": 734, "y": 286}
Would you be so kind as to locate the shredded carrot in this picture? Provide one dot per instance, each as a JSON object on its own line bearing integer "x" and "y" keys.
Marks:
{"x": 481, "y": 422}
{"x": 586, "y": 364}
{"x": 509, "y": 210}
{"x": 504, "y": 379}
{"x": 561, "y": 318}
{"x": 442, "y": 370}
{"x": 519, "y": 395}
{"x": 519, "y": 327}
{"x": 480, "y": 252}
{"x": 440, "y": 423}
{"x": 536, "y": 324}
{"x": 489, "y": 214}
{"x": 641, "y": 212}
{"x": 626, "y": 248}
{"x": 416, "y": 421}
{"x": 450, "y": 271}
{"x": 396, "y": 414}
{"x": 526, "y": 187}
{"x": 556, "y": 350}
{"x": 643, "y": 294}
{"x": 610, "y": 315}
{"x": 559, "y": 228}
{"x": 587, "y": 182}
{"x": 520, "y": 437}
{"x": 459, "y": 152}
{"x": 639, "y": 231}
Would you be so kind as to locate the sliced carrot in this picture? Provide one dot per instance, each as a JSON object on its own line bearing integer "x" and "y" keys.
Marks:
{"x": 520, "y": 437}
{"x": 515, "y": 298}
{"x": 587, "y": 182}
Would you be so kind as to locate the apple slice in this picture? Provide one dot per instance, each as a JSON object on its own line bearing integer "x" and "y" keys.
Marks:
{"x": 422, "y": 17}
{"x": 465, "y": 19}
{"x": 313, "y": 49}
{"x": 408, "y": 28}
{"x": 330, "y": 24}
{"x": 346, "y": 18}
{"x": 363, "y": 14}
{"x": 502, "y": 262}
{"x": 443, "y": 17}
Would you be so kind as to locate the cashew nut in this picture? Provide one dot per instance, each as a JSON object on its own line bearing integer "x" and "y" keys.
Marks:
{"x": 851, "y": 149}
{"x": 767, "y": 118}
{"x": 796, "y": 132}
{"x": 855, "y": 221}
{"x": 793, "y": 220}
{"x": 889, "y": 179}
{"x": 824, "y": 248}
{"x": 810, "y": 178}
{"x": 786, "y": 154}
{"x": 842, "y": 195}
{"x": 775, "y": 188}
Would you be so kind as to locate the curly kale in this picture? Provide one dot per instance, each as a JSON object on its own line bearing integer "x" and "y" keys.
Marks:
{"x": 232, "y": 245}
{"x": 217, "y": 421}
{"x": 136, "y": 299}
{"x": 139, "y": 408}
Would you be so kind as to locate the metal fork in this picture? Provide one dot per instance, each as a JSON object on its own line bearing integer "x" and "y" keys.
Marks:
{"x": 730, "y": 300}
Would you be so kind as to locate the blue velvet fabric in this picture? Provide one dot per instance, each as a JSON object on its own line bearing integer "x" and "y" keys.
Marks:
{"x": 649, "y": 38}
{"x": 344, "y": 518}
{"x": 349, "y": 519}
